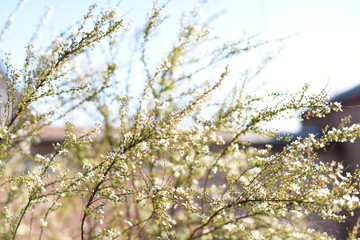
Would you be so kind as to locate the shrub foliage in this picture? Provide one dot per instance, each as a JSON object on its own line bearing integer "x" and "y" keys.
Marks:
{"x": 149, "y": 169}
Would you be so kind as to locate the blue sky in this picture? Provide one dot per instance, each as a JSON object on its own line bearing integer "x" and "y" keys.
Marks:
{"x": 324, "y": 53}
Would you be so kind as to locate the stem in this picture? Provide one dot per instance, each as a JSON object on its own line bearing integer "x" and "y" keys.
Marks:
{"x": 20, "y": 219}
{"x": 201, "y": 227}
{"x": 96, "y": 189}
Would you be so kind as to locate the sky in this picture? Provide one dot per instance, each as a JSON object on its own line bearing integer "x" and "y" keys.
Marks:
{"x": 323, "y": 48}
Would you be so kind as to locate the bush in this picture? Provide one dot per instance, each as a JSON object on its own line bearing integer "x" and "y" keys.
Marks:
{"x": 149, "y": 172}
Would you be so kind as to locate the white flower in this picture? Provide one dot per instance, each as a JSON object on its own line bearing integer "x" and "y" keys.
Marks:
{"x": 43, "y": 223}
{"x": 323, "y": 192}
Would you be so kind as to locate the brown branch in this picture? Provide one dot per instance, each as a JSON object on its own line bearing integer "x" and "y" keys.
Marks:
{"x": 201, "y": 227}
{"x": 20, "y": 219}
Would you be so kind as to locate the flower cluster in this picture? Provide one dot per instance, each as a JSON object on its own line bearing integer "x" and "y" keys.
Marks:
{"x": 155, "y": 166}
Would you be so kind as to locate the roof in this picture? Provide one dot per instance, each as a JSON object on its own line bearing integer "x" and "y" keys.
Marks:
{"x": 349, "y": 97}
{"x": 57, "y": 134}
